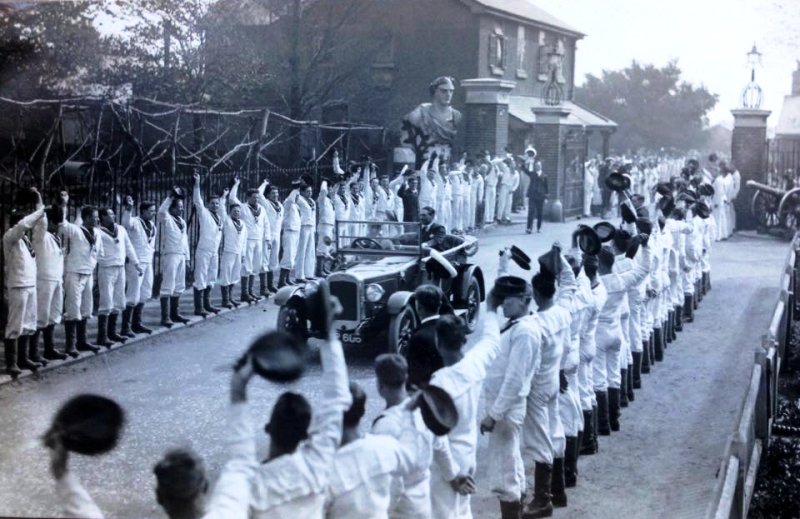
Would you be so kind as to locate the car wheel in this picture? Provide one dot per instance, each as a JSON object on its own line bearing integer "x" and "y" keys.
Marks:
{"x": 473, "y": 304}
{"x": 291, "y": 318}
{"x": 401, "y": 327}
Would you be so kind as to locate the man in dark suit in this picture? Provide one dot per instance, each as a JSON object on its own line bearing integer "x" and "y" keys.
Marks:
{"x": 432, "y": 234}
{"x": 423, "y": 357}
{"x": 409, "y": 194}
{"x": 537, "y": 194}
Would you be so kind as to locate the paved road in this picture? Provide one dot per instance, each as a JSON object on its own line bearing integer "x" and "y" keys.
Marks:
{"x": 174, "y": 387}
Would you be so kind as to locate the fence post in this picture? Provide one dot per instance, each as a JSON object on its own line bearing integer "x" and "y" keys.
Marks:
{"x": 763, "y": 402}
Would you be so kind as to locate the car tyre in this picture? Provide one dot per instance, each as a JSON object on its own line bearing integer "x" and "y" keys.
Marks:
{"x": 291, "y": 318}
{"x": 472, "y": 304}
{"x": 401, "y": 327}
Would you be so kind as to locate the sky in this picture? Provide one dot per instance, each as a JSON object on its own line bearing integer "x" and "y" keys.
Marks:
{"x": 709, "y": 38}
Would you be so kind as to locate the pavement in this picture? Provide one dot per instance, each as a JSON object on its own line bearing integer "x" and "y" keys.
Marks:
{"x": 174, "y": 387}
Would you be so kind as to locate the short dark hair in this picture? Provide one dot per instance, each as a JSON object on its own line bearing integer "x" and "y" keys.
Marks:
{"x": 436, "y": 83}
{"x": 103, "y": 211}
{"x": 429, "y": 297}
{"x": 54, "y": 214}
{"x": 353, "y": 416}
{"x": 544, "y": 284}
{"x": 429, "y": 209}
{"x": 180, "y": 477}
{"x": 288, "y": 424}
{"x": 144, "y": 206}
{"x": 606, "y": 257}
{"x": 86, "y": 212}
{"x": 252, "y": 191}
{"x": 622, "y": 240}
{"x": 451, "y": 332}
{"x": 174, "y": 203}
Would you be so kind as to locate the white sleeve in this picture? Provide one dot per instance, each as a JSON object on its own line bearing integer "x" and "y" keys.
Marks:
{"x": 75, "y": 499}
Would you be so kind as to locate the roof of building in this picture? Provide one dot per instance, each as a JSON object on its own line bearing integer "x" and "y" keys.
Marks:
{"x": 521, "y": 107}
{"x": 789, "y": 121}
{"x": 525, "y": 10}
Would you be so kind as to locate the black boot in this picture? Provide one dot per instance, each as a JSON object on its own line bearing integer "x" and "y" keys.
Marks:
{"x": 175, "y": 311}
{"x": 136, "y": 325}
{"x": 653, "y": 347}
{"x": 708, "y": 281}
{"x": 245, "y": 292}
{"x": 623, "y": 388}
{"x": 69, "y": 348}
{"x": 234, "y": 302}
{"x": 644, "y": 362}
{"x": 695, "y": 301}
{"x": 558, "y": 484}
{"x": 636, "y": 380}
{"x": 541, "y": 506}
{"x": 33, "y": 349}
{"x": 658, "y": 344}
{"x": 699, "y": 293}
{"x": 603, "y": 425}
{"x": 50, "y": 352}
{"x": 679, "y": 318}
{"x": 271, "y": 283}
{"x": 629, "y": 386}
{"x": 251, "y": 281}
{"x": 207, "y": 301}
{"x": 669, "y": 330}
{"x": 263, "y": 285}
{"x": 165, "y": 320}
{"x": 571, "y": 458}
{"x": 102, "y": 332}
{"x": 589, "y": 444}
{"x": 613, "y": 408}
{"x": 283, "y": 278}
{"x": 125, "y": 327}
{"x": 11, "y": 358}
{"x": 112, "y": 329}
{"x": 688, "y": 304}
{"x": 226, "y": 300}
{"x": 23, "y": 362}
{"x": 510, "y": 510}
{"x": 198, "y": 304}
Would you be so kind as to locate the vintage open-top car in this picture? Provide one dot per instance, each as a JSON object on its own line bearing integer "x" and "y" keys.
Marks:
{"x": 378, "y": 266}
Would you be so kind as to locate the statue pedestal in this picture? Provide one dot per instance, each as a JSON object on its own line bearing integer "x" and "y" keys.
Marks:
{"x": 486, "y": 114}
{"x": 748, "y": 154}
{"x": 550, "y": 132}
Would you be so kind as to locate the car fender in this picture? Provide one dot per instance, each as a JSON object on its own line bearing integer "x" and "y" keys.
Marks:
{"x": 288, "y": 292}
{"x": 467, "y": 273}
{"x": 398, "y": 301}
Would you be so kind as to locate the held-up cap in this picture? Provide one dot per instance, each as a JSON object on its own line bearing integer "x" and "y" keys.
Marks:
{"x": 664, "y": 189}
{"x": 512, "y": 286}
{"x": 520, "y": 258}
{"x": 628, "y": 214}
{"x": 531, "y": 149}
{"x": 178, "y": 192}
{"x": 438, "y": 410}
{"x": 618, "y": 182}
{"x": 666, "y": 204}
{"x": 307, "y": 180}
{"x": 702, "y": 210}
{"x": 440, "y": 266}
{"x": 550, "y": 262}
{"x": 605, "y": 231}
{"x": 706, "y": 190}
{"x": 588, "y": 240}
{"x": 278, "y": 356}
{"x": 391, "y": 369}
{"x": 87, "y": 424}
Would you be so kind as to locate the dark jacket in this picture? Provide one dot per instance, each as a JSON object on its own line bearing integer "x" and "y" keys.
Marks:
{"x": 410, "y": 204}
{"x": 436, "y": 234}
{"x": 537, "y": 189}
{"x": 423, "y": 358}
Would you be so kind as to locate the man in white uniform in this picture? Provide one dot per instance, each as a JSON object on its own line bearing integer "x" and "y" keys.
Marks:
{"x": 305, "y": 263}
{"x": 291, "y": 235}
{"x": 590, "y": 173}
{"x": 255, "y": 221}
{"x": 476, "y": 198}
{"x": 327, "y": 220}
{"x": 234, "y": 247}
{"x": 117, "y": 250}
{"x": 490, "y": 192}
{"x": 142, "y": 233}
{"x": 274, "y": 208}
{"x": 20, "y": 289}
{"x": 506, "y": 182}
{"x": 83, "y": 247}
{"x": 720, "y": 204}
{"x": 174, "y": 255}
{"x": 206, "y": 253}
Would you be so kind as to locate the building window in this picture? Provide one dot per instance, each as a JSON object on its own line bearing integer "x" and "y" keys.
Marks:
{"x": 497, "y": 51}
{"x": 521, "y": 43}
{"x": 546, "y": 47}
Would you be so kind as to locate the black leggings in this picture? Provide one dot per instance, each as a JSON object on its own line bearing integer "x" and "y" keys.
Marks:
{"x": 535, "y": 207}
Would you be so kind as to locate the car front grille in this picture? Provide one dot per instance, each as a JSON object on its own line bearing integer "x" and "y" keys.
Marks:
{"x": 347, "y": 293}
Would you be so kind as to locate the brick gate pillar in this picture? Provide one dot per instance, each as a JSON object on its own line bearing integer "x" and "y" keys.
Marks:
{"x": 486, "y": 114}
{"x": 550, "y": 145}
{"x": 749, "y": 156}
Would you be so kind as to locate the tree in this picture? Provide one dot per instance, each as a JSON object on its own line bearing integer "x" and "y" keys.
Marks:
{"x": 653, "y": 107}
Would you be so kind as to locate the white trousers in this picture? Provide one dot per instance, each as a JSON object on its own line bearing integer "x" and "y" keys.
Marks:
{"x": 569, "y": 406}
{"x": 49, "y": 302}
{"x": 230, "y": 268}
{"x": 635, "y": 327}
{"x": 502, "y": 201}
{"x": 605, "y": 372}
{"x": 415, "y": 501}
{"x": 291, "y": 240}
{"x": 585, "y": 385}
{"x": 625, "y": 350}
{"x": 506, "y": 471}
{"x": 21, "y": 311}
{"x": 326, "y": 229}
{"x": 447, "y": 216}
{"x": 78, "y": 302}
{"x": 206, "y": 267}
{"x": 269, "y": 259}
{"x": 491, "y": 200}
{"x": 537, "y": 442}
{"x": 446, "y": 503}
{"x": 587, "y": 200}
{"x": 721, "y": 219}
{"x": 457, "y": 208}
{"x": 173, "y": 272}
{"x": 251, "y": 262}
{"x": 111, "y": 288}
{"x": 306, "y": 257}
{"x": 139, "y": 288}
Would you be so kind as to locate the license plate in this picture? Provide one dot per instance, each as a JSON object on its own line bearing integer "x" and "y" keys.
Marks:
{"x": 350, "y": 338}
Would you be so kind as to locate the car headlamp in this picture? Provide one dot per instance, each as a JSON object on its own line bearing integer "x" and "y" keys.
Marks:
{"x": 374, "y": 292}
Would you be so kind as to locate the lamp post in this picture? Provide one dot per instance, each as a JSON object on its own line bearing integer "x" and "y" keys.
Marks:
{"x": 553, "y": 94}
{"x": 752, "y": 95}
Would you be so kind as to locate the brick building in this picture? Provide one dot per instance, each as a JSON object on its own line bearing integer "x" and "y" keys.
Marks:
{"x": 501, "y": 53}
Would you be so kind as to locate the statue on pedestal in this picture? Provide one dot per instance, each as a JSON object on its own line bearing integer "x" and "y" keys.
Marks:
{"x": 433, "y": 126}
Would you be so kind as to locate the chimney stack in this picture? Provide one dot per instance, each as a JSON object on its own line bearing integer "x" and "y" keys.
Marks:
{"x": 796, "y": 80}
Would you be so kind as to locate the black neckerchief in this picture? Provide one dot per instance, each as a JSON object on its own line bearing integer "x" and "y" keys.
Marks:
{"x": 275, "y": 205}
{"x": 310, "y": 202}
{"x": 29, "y": 245}
{"x": 375, "y": 198}
{"x": 238, "y": 225}
{"x": 343, "y": 198}
{"x": 255, "y": 211}
{"x": 112, "y": 233}
{"x": 509, "y": 325}
{"x": 149, "y": 228}
{"x": 89, "y": 235}
{"x": 57, "y": 239}
{"x": 179, "y": 222}
{"x": 355, "y": 198}
{"x": 216, "y": 219}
